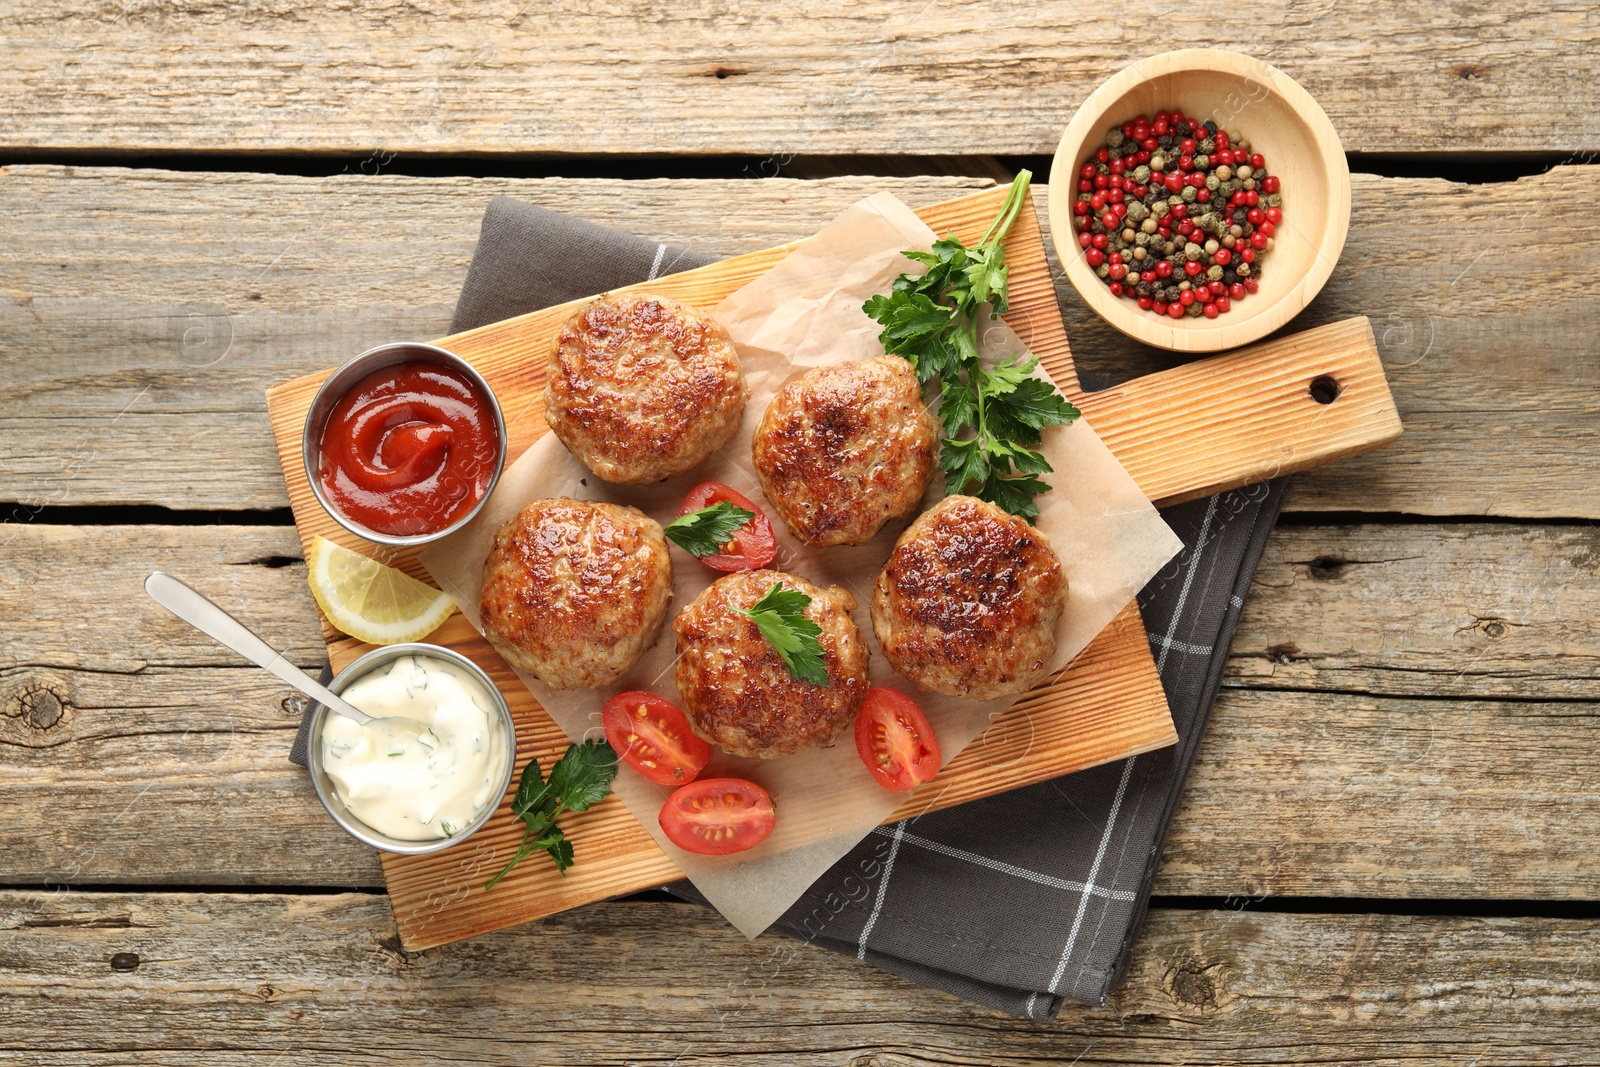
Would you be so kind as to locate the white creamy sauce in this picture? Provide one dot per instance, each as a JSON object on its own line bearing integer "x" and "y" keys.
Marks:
{"x": 433, "y": 762}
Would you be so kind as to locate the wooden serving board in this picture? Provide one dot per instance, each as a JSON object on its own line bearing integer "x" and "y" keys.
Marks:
{"x": 1222, "y": 423}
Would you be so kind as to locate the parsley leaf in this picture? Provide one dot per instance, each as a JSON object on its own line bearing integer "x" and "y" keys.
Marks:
{"x": 993, "y": 416}
{"x": 704, "y": 532}
{"x": 780, "y": 616}
{"x": 580, "y": 779}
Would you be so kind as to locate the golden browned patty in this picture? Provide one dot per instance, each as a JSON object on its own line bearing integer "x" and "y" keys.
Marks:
{"x": 736, "y": 689}
{"x": 640, "y": 387}
{"x": 574, "y": 592}
{"x": 968, "y": 602}
{"x": 843, "y": 449}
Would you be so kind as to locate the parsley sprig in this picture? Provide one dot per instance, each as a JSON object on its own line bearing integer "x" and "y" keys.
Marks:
{"x": 780, "y": 615}
{"x": 580, "y": 779}
{"x": 993, "y": 416}
{"x": 704, "y": 532}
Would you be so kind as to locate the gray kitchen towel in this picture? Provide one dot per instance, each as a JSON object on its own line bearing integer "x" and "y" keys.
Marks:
{"x": 1025, "y": 899}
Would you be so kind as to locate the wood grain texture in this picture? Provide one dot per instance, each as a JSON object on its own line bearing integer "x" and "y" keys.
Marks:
{"x": 163, "y": 979}
{"x": 143, "y": 314}
{"x": 1245, "y": 417}
{"x": 1449, "y": 777}
{"x": 727, "y": 76}
{"x": 1467, "y": 610}
{"x": 1107, "y": 704}
{"x": 1316, "y": 777}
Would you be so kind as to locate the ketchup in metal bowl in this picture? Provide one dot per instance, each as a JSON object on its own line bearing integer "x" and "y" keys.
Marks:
{"x": 409, "y": 449}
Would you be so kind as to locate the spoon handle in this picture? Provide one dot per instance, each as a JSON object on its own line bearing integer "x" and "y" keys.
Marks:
{"x": 205, "y": 616}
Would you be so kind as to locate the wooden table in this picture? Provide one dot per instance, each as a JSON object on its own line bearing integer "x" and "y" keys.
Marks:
{"x": 1387, "y": 850}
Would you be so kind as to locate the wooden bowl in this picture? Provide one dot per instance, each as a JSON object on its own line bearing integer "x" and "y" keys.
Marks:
{"x": 1256, "y": 103}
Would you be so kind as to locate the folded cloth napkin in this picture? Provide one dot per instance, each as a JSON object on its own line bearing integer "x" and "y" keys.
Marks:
{"x": 1022, "y": 900}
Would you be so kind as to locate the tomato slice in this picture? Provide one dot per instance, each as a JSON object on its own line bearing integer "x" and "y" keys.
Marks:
{"x": 895, "y": 740}
{"x": 718, "y": 816}
{"x": 654, "y": 737}
{"x": 752, "y": 545}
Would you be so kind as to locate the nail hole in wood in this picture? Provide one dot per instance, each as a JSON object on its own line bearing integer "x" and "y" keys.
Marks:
{"x": 1325, "y": 390}
{"x": 1326, "y": 568}
{"x": 125, "y": 961}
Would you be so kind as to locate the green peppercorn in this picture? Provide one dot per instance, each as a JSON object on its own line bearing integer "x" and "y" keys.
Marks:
{"x": 1192, "y": 251}
{"x": 1159, "y": 209}
{"x": 1137, "y": 212}
{"x": 1188, "y": 194}
{"x": 1114, "y": 137}
{"x": 1208, "y": 146}
{"x": 1184, "y": 286}
{"x": 1141, "y": 174}
{"x": 1194, "y": 310}
{"x": 1275, "y": 200}
{"x": 1201, "y": 162}
{"x": 1212, "y": 182}
{"x": 1214, "y": 272}
{"x": 1248, "y": 183}
{"x": 1103, "y": 270}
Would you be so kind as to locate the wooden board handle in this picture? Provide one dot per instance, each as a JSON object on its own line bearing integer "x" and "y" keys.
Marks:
{"x": 1246, "y": 416}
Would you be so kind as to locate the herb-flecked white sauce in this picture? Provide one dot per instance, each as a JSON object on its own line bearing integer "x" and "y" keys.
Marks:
{"x": 434, "y": 760}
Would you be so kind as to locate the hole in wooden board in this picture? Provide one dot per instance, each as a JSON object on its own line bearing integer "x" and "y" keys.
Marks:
{"x": 1325, "y": 390}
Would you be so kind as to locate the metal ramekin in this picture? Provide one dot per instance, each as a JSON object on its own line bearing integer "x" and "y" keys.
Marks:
{"x": 339, "y": 383}
{"x": 324, "y": 785}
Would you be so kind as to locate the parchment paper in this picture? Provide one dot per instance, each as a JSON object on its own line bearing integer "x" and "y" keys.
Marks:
{"x": 803, "y": 313}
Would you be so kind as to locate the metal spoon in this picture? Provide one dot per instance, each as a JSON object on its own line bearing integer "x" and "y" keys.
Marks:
{"x": 203, "y": 615}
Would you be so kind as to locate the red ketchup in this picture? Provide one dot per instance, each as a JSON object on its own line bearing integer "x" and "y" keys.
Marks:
{"x": 409, "y": 449}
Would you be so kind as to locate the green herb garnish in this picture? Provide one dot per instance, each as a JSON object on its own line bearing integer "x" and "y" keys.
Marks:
{"x": 704, "y": 532}
{"x": 780, "y": 616}
{"x": 993, "y": 416}
{"x": 580, "y": 779}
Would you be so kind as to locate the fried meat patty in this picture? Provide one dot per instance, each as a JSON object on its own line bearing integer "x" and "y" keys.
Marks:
{"x": 967, "y": 603}
{"x": 575, "y": 591}
{"x": 736, "y": 689}
{"x": 845, "y": 448}
{"x": 641, "y": 387}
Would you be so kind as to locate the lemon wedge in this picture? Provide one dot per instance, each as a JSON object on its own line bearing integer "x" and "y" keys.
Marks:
{"x": 372, "y": 602}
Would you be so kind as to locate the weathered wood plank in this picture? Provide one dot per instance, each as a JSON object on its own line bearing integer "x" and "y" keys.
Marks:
{"x": 814, "y": 77}
{"x": 173, "y": 753}
{"x": 1490, "y": 610}
{"x": 1432, "y": 611}
{"x": 165, "y": 978}
{"x": 1489, "y": 799}
{"x": 143, "y": 314}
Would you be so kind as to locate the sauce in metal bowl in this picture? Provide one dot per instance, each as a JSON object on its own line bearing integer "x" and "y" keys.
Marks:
{"x": 409, "y": 449}
{"x": 431, "y": 764}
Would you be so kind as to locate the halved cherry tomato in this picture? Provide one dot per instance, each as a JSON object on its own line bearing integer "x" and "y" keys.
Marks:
{"x": 718, "y": 816}
{"x": 654, "y": 737}
{"x": 752, "y": 545}
{"x": 895, "y": 741}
